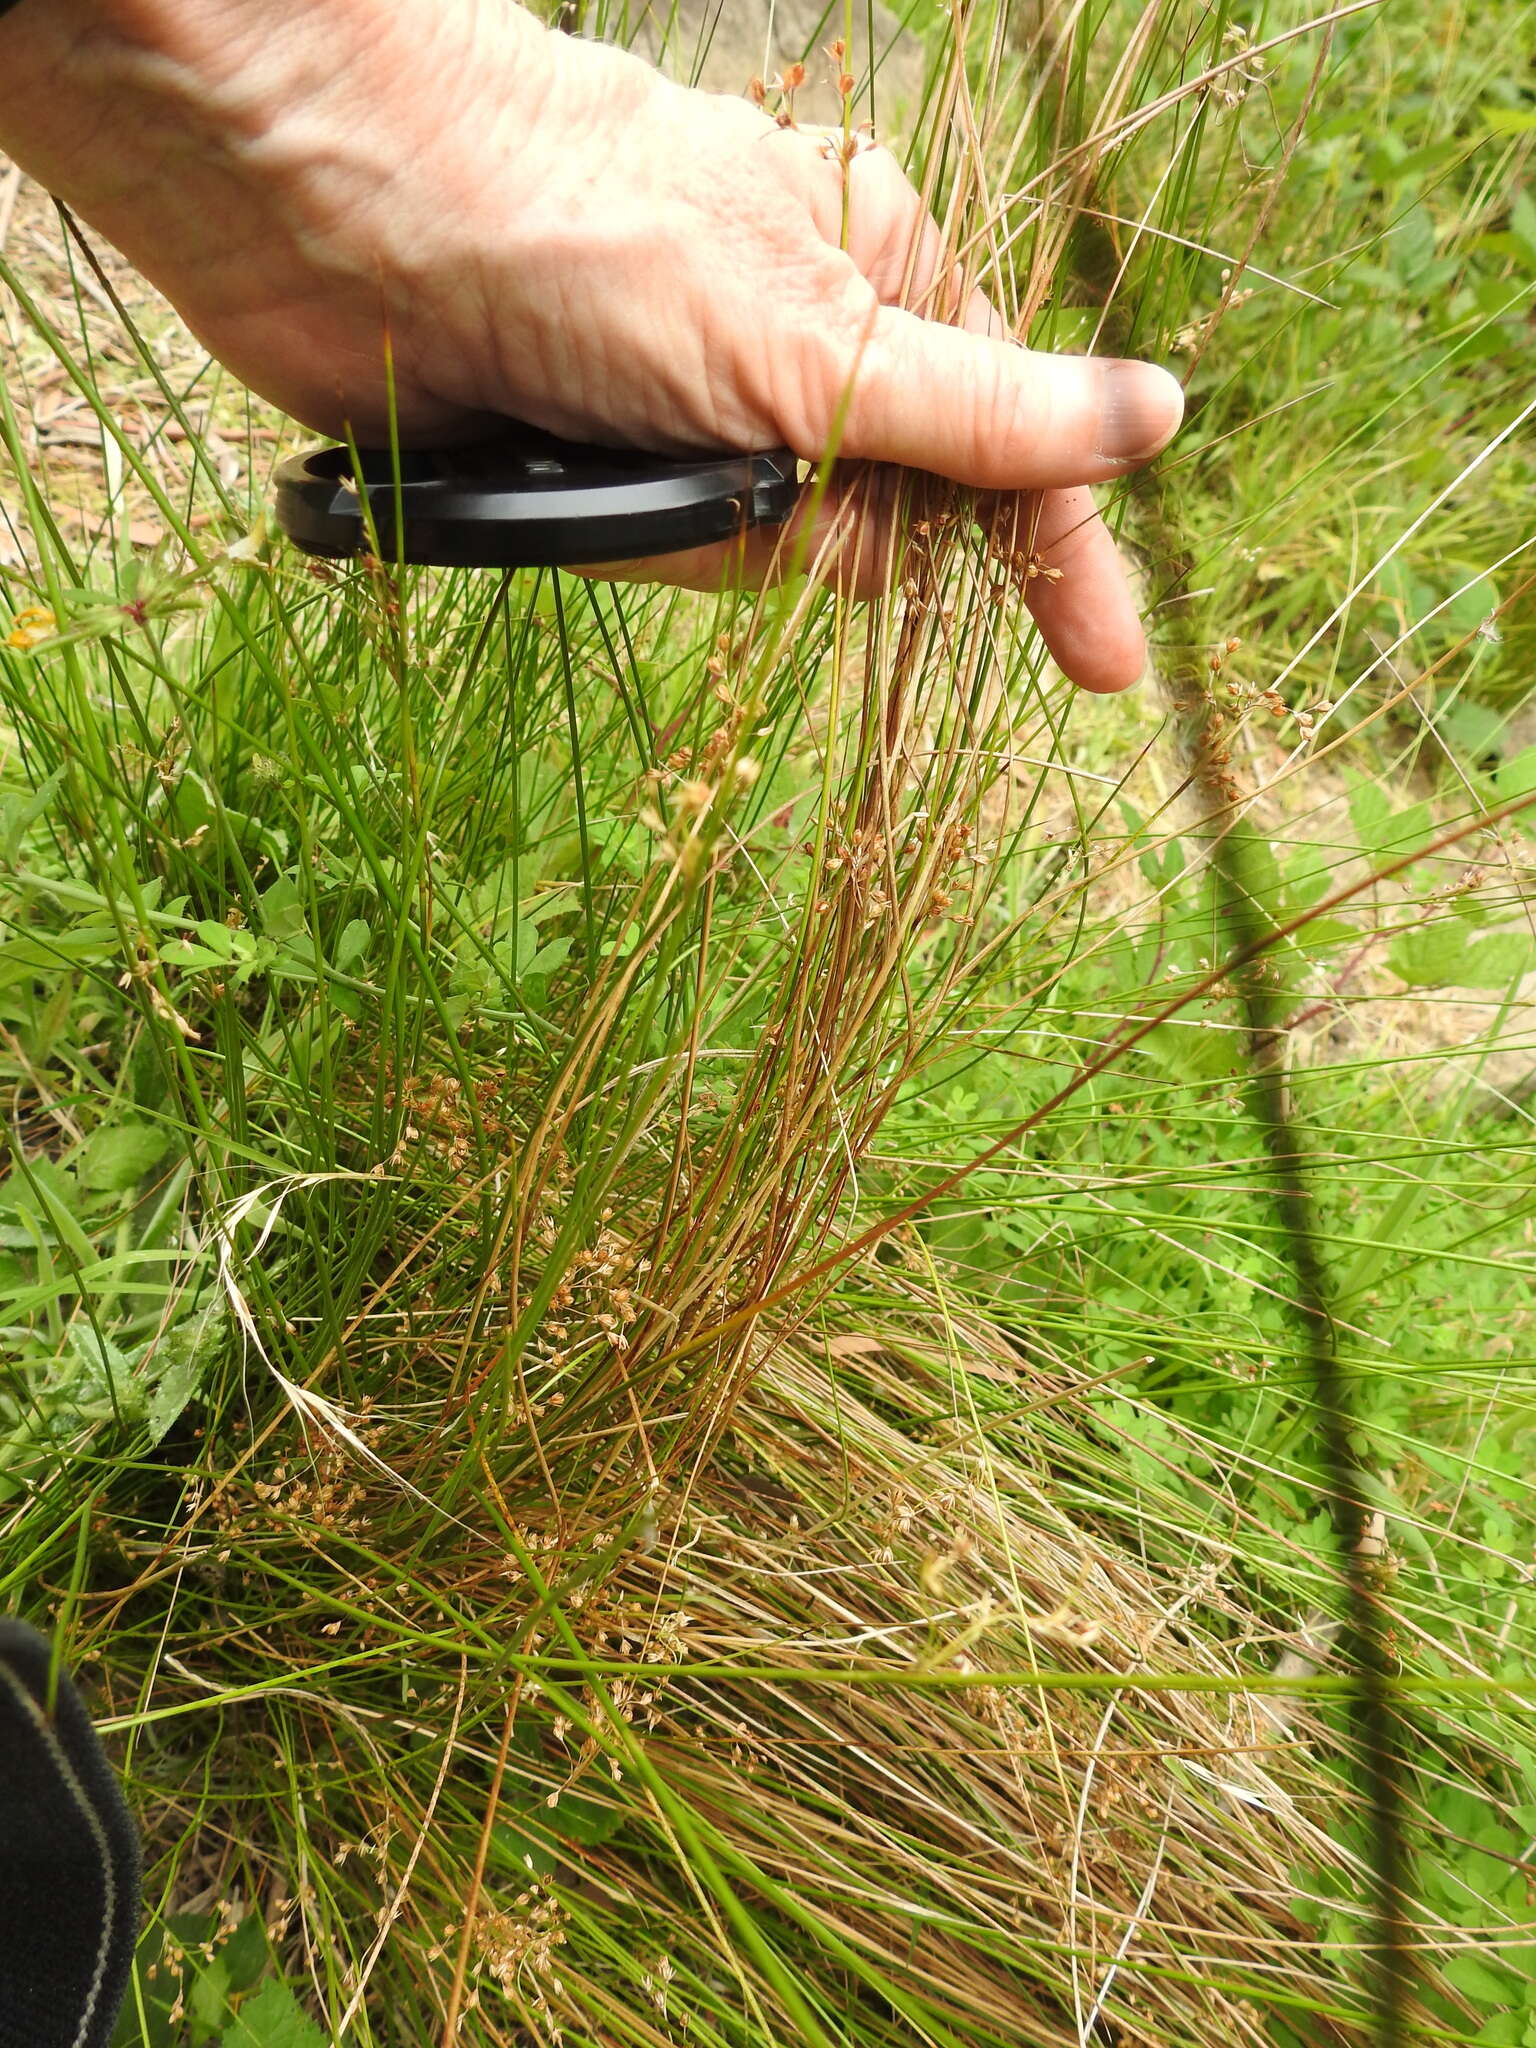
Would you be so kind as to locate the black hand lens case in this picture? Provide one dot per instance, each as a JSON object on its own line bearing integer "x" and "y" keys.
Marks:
{"x": 527, "y": 500}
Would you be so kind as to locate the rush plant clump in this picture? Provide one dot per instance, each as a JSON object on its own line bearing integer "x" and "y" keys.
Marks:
{"x": 662, "y": 1345}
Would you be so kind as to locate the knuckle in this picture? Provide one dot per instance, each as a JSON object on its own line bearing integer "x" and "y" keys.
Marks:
{"x": 824, "y": 357}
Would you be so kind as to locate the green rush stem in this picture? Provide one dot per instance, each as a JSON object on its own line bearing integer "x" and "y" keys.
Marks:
{"x": 1383, "y": 1729}
{"x": 555, "y": 1665}
{"x": 578, "y": 785}
{"x": 1252, "y": 942}
{"x": 1112, "y": 1055}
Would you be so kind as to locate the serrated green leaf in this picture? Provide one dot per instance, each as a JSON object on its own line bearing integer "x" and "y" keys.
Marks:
{"x": 105, "y": 1382}
{"x": 272, "y": 2018}
{"x": 118, "y": 1156}
{"x": 1475, "y": 729}
{"x": 1450, "y": 954}
{"x": 1369, "y": 808}
{"x": 182, "y": 1358}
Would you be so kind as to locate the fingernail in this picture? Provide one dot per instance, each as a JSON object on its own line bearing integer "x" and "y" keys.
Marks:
{"x": 1142, "y": 408}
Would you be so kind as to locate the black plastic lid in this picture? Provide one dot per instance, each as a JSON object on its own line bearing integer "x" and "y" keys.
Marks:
{"x": 527, "y": 500}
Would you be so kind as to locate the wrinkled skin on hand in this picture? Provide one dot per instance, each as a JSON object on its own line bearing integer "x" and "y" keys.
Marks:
{"x": 547, "y": 229}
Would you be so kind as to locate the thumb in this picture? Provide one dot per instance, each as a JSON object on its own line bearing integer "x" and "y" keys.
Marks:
{"x": 986, "y": 412}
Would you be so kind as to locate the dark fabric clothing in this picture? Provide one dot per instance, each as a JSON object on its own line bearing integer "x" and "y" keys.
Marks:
{"x": 69, "y": 1861}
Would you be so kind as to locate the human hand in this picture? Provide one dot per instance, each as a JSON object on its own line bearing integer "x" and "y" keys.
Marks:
{"x": 548, "y": 230}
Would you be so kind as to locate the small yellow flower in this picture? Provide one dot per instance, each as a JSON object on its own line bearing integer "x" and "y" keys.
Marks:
{"x": 32, "y": 624}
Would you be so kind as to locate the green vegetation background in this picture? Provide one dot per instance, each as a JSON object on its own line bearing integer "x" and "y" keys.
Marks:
{"x": 436, "y": 1015}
